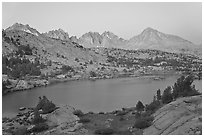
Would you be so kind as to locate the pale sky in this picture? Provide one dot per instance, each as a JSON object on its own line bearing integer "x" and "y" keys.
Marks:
{"x": 123, "y": 19}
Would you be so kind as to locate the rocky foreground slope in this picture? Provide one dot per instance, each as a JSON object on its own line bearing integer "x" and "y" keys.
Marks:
{"x": 180, "y": 117}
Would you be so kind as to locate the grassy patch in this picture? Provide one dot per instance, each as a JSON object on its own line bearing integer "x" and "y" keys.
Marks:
{"x": 121, "y": 113}
{"x": 40, "y": 127}
{"x": 119, "y": 125}
{"x": 143, "y": 122}
{"x": 104, "y": 131}
{"x": 84, "y": 120}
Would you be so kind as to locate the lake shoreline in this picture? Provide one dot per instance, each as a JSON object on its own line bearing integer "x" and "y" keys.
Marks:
{"x": 53, "y": 81}
{"x": 71, "y": 87}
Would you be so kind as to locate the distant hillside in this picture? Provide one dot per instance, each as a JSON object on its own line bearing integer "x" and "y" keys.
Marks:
{"x": 46, "y": 49}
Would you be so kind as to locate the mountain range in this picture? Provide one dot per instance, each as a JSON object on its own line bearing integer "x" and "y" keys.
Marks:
{"x": 147, "y": 39}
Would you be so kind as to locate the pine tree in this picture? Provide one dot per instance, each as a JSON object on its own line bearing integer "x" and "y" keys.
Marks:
{"x": 158, "y": 94}
{"x": 183, "y": 87}
{"x": 139, "y": 106}
{"x": 167, "y": 96}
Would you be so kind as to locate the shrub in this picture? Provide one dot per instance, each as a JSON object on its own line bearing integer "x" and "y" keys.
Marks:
{"x": 76, "y": 59}
{"x": 104, "y": 131}
{"x": 40, "y": 127}
{"x": 122, "y": 118}
{"x": 84, "y": 120}
{"x": 121, "y": 113}
{"x": 92, "y": 74}
{"x": 4, "y": 119}
{"x": 20, "y": 131}
{"x": 101, "y": 113}
{"x": 123, "y": 132}
{"x": 143, "y": 122}
{"x": 146, "y": 114}
{"x": 46, "y": 105}
{"x": 66, "y": 69}
{"x": 79, "y": 113}
{"x": 90, "y": 112}
{"x": 137, "y": 114}
{"x": 37, "y": 118}
{"x": 91, "y": 62}
{"x": 153, "y": 106}
{"x": 5, "y": 84}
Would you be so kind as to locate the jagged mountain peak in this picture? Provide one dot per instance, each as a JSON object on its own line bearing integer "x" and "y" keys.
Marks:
{"x": 26, "y": 28}
{"x": 61, "y": 30}
{"x": 90, "y": 38}
{"x": 91, "y": 34}
{"x": 57, "y": 31}
{"x": 58, "y": 34}
{"x": 18, "y": 25}
{"x": 109, "y": 34}
{"x": 73, "y": 38}
{"x": 112, "y": 36}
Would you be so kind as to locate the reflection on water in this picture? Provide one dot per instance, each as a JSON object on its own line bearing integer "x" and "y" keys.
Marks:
{"x": 99, "y": 95}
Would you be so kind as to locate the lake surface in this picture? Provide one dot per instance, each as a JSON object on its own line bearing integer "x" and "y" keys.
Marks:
{"x": 100, "y": 95}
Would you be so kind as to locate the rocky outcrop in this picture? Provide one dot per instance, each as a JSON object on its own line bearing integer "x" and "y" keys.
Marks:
{"x": 62, "y": 116}
{"x": 18, "y": 85}
{"x": 64, "y": 121}
{"x": 60, "y": 121}
{"x": 23, "y": 84}
{"x": 180, "y": 117}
